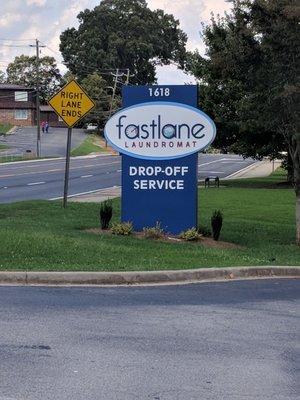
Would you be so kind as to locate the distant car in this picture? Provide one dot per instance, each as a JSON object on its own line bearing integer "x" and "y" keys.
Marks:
{"x": 91, "y": 127}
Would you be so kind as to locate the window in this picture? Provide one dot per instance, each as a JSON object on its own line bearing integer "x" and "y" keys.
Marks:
{"x": 21, "y": 96}
{"x": 21, "y": 114}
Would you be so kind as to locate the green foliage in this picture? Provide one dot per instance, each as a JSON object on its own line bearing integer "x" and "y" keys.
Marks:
{"x": 22, "y": 71}
{"x": 204, "y": 231}
{"x": 96, "y": 87}
{"x": 250, "y": 79}
{"x": 2, "y": 77}
{"x": 123, "y": 34}
{"x": 4, "y": 128}
{"x": 216, "y": 224}
{"x": 155, "y": 232}
{"x": 106, "y": 211}
{"x": 122, "y": 228}
{"x": 190, "y": 235}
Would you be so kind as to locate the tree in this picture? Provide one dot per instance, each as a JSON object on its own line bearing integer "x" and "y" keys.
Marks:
{"x": 2, "y": 77}
{"x": 96, "y": 88}
{"x": 123, "y": 34}
{"x": 22, "y": 71}
{"x": 250, "y": 83}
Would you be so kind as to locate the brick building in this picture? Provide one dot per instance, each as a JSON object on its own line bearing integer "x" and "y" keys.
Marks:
{"x": 17, "y": 104}
{"x": 17, "y": 107}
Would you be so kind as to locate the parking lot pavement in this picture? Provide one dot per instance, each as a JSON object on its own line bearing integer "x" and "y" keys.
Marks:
{"x": 210, "y": 341}
{"x": 53, "y": 144}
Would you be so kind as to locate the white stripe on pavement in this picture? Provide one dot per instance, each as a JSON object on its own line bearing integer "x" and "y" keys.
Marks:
{"x": 35, "y": 183}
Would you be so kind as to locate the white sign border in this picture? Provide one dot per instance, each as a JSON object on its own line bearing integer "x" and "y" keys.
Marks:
{"x": 152, "y": 103}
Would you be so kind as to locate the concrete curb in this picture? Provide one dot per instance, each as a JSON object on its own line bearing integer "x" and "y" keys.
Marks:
{"x": 145, "y": 277}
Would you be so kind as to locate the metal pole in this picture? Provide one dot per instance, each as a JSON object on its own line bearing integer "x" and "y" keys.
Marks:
{"x": 113, "y": 96}
{"x": 66, "y": 185}
{"x": 37, "y": 101}
{"x": 127, "y": 76}
{"x": 38, "y": 120}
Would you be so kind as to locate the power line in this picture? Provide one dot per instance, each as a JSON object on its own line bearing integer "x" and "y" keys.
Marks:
{"x": 16, "y": 40}
{"x": 13, "y": 45}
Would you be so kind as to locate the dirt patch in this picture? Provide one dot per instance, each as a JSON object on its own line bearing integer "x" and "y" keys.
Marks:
{"x": 203, "y": 241}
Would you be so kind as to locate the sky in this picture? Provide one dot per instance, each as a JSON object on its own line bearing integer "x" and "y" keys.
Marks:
{"x": 21, "y": 21}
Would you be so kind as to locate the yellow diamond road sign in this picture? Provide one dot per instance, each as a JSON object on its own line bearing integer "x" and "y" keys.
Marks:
{"x": 71, "y": 103}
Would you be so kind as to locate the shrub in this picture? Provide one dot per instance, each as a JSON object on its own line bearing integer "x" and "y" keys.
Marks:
{"x": 106, "y": 210}
{"x": 216, "y": 224}
{"x": 155, "y": 232}
{"x": 204, "y": 231}
{"x": 122, "y": 228}
{"x": 190, "y": 235}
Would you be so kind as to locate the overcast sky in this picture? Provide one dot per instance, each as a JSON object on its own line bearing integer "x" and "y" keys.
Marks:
{"x": 21, "y": 21}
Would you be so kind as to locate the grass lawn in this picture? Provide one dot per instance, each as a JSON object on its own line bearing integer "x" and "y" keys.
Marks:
{"x": 89, "y": 145}
{"x": 3, "y": 147}
{"x": 40, "y": 235}
{"x": 4, "y": 128}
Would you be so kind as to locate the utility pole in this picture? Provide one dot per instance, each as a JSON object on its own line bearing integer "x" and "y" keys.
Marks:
{"x": 114, "y": 88}
{"x": 38, "y": 120}
{"x": 114, "y": 91}
{"x": 127, "y": 76}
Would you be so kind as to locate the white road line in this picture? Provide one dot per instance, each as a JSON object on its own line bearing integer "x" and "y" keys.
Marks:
{"x": 211, "y": 162}
{"x": 86, "y": 176}
{"x": 119, "y": 170}
{"x": 233, "y": 161}
{"x": 211, "y": 172}
{"x": 35, "y": 183}
{"x": 60, "y": 170}
{"x": 58, "y": 158}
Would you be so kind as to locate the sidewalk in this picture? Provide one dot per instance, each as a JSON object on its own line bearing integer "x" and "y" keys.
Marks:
{"x": 98, "y": 195}
{"x": 259, "y": 169}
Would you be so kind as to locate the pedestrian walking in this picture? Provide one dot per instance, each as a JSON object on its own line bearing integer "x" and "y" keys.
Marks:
{"x": 47, "y": 127}
{"x": 43, "y": 126}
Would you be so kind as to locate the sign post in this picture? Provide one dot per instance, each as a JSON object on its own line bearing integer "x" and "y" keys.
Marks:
{"x": 71, "y": 103}
{"x": 159, "y": 134}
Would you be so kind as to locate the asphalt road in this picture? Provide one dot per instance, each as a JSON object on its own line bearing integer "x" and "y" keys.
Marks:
{"x": 44, "y": 179}
{"x": 53, "y": 144}
{"x": 209, "y": 341}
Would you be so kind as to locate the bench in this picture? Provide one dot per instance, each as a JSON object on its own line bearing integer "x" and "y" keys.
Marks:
{"x": 208, "y": 180}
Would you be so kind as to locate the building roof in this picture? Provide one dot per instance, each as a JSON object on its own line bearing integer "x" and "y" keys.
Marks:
{"x": 46, "y": 108}
{"x": 12, "y": 86}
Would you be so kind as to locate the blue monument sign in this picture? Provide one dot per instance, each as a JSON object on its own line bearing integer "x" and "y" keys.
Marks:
{"x": 159, "y": 132}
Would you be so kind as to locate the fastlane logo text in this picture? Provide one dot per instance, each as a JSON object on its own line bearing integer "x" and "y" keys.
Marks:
{"x": 160, "y": 130}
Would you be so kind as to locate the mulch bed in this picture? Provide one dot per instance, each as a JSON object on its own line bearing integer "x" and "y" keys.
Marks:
{"x": 203, "y": 241}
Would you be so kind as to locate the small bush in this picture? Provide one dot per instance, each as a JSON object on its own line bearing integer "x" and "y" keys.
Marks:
{"x": 190, "y": 235}
{"x": 122, "y": 228}
{"x": 106, "y": 210}
{"x": 204, "y": 231}
{"x": 216, "y": 224}
{"x": 155, "y": 232}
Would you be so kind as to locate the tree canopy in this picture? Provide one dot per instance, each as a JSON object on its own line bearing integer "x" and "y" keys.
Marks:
{"x": 123, "y": 34}
{"x": 2, "y": 77}
{"x": 96, "y": 87}
{"x": 250, "y": 80}
{"x": 22, "y": 71}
